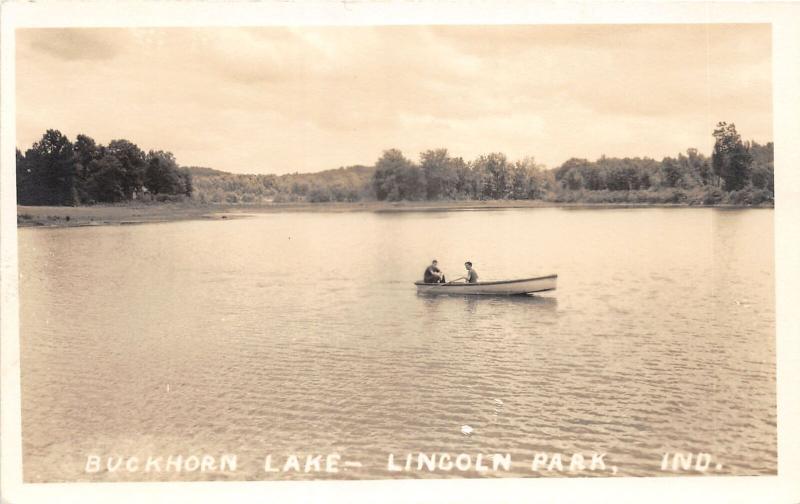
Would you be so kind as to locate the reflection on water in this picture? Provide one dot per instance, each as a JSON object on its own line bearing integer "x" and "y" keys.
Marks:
{"x": 303, "y": 333}
{"x": 448, "y": 303}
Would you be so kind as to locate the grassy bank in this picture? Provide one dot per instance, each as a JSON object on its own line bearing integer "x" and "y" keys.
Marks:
{"x": 95, "y": 215}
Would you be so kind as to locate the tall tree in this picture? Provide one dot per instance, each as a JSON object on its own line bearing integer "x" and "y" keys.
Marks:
{"x": 526, "y": 180}
{"x": 731, "y": 159}
{"x": 397, "y": 178}
{"x": 763, "y": 169}
{"x": 106, "y": 183}
{"x": 571, "y": 173}
{"x": 49, "y": 167}
{"x": 162, "y": 175}
{"x": 695, "y": 167}
{"x": 186, "y": 177}
{"x": 132, "y": 162}
{"x": 86, "y": 150}
{"x": 496, "y": 172}
{"x": 671, "y": 174}
{"x": 466, "y": 183}
{"x": 440, "y": 174}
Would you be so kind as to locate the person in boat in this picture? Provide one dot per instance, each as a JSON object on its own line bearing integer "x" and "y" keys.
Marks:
{"x": 433, "y": 274}
{"x": 472, "y": 275}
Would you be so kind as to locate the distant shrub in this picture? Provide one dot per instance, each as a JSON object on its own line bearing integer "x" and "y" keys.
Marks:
{"x": 741, "y": 197}
{"x": 285, "y": 198}
{"x": 319, "y": 195}
{"x": 677, "y": 196}
{"x": 713, "y": 196}
{"x": 169, "y": 198}
{"x": 761, "y": 196}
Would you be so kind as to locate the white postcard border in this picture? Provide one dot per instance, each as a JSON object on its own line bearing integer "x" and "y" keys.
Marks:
{"x": 786, "y": 81}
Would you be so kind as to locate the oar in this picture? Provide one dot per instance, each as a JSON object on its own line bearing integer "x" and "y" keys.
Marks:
{"x": 456, "y": 280}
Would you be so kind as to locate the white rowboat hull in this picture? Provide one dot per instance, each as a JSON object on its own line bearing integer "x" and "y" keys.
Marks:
{"x": 499, "y": 288}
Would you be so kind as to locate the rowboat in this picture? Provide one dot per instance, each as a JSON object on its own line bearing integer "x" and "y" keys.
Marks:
{"x": 495, "y": 288}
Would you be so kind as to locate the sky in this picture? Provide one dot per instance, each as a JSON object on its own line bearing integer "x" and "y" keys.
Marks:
{"x": 305, "y": 99}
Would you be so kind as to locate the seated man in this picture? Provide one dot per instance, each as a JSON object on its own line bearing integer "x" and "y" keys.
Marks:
{"x": 472, "y": 275}
{"x": 433, "y": 274}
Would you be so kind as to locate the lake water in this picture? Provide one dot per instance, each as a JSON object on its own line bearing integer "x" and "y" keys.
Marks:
{"x": 302, "y": 333}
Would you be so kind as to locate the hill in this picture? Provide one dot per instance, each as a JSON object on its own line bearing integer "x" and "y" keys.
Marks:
{"x": 350, "y": 183}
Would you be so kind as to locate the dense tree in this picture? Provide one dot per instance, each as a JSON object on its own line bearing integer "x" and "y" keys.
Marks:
{"x": 671, "y": 173}
{"x": 695, "y": 168}
{"x": 49, "y": 172}
{"x": 132, "y": 161}
{"x": 763, "y": 172}
{"x": 86, "y": 151}
{"x": 731, "y": 159}
{"x": 527, "y": 180}
{"x": 187, "y": 186}
{"x": 55, "y": 171}
{"x": 570, "y": 173}
{"x": 162, "y": 175}
{"x": 397, "y": 178}
{"x": 440, "y": 173}
{"x": 106, "y": 184}
{"x": 762, "y": 154}
{"x": 495, "y": 171}
{"x": 619, "y": 174}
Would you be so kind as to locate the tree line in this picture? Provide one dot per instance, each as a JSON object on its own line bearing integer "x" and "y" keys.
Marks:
{"x": 737, "y": 172}
{"x": 56, "y": 171}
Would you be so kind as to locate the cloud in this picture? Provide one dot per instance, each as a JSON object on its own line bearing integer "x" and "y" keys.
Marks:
{"x": 276, "y": 99}
{"x": 72, "y": 44}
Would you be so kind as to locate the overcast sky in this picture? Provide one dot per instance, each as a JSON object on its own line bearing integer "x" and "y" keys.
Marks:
{"x": 275, "y": 100}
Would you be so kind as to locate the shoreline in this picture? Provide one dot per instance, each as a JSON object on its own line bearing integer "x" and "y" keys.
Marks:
{"x": 105, "y": 215}
{"x": 450, "y": 205}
